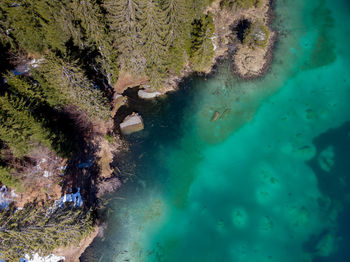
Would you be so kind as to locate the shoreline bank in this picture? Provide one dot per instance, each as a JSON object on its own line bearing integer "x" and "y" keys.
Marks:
{"x": 224, "y": 39}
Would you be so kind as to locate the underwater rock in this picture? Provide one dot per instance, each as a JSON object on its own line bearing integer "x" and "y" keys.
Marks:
{"x": 263, "y": 195}
{"x": 131, "y": 124}
{"x": 220, "y": 226}
{"x": 310, "y": 114}
{"x": 215, "y": 116}
{"x": 239, "y": 217}
{"x": 226, "y": 112}
{"x": 299, "y": 216}
{"x": 326, "y": 245}
{"x": 266, "y": 224}
{"x": 298, "y": 150}
{"x": 305, "y": 152}
{"x": 326, "y": 159}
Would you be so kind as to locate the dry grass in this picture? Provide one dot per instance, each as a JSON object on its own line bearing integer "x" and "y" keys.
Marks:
{"x": 126, "y": 80}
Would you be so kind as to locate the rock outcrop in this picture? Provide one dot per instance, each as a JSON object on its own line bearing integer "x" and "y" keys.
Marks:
{"x": 144, "y": 94}
{"x": 131, "y": 124}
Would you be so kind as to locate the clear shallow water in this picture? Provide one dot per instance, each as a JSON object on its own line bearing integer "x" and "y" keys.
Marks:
{"x": 267, "y": 182}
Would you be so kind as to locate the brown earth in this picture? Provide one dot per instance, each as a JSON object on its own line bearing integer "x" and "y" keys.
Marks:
{"x": 126, "y": 80}
{"x": 248, "y": 62}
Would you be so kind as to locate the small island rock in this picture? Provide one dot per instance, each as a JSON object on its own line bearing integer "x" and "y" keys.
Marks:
{"x": 131, "y": 124}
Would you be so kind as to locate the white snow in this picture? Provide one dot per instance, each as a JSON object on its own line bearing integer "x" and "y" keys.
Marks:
{"x": 36, "y": 62}
{"x": 6, "y": 197}
{"x": 47, "y": 174}
{"x": 75, "y": 198}
{"x": 213, "y": 41}
{"x": 36, "y": 258}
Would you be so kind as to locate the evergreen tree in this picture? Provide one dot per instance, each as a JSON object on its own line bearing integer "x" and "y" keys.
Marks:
{"x": 178, "y": 36}
{"x": 18, "y": 128}
{"x": 72, "y": 85}
{"x": 38, "y": 229}
{"x": 202, "y": 48}
{"x": 96, "y": 37}
{"x": 153, "y": 37}
{"x": 30, "y": 23}
{"x": 122, "y": 17}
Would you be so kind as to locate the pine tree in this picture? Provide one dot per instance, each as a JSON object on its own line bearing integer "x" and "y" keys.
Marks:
{"x": 122, "y": 17}
{"x": 35, "y": 229}
{"x": 178, "y": 36}
{"x": 96, "y": 36}
{"x": 153, "y": 34}
{"x": 73, "y": 86}
{"x": 32, "y": 26}
{"x": 202, "y": 49}
{"x": 18, "y": 128}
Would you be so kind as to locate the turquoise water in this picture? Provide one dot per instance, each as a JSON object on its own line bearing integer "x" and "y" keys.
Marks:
{"x": 269, "y": 181}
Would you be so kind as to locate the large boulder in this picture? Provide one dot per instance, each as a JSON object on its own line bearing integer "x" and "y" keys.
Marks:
{"x": 145, "y": 94}
{"x": 131, "y": 124}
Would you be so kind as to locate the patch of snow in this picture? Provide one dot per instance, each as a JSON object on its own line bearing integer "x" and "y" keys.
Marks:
{"x": 14, "y": 5}
{"x": 75, "y": 198}
{"x": 213, "y": 41}
{"x": 47, "y": 174}
{"x": 6, "y": 197}
{"x": 36, "y": 258}
{"x": 62, "y": 168}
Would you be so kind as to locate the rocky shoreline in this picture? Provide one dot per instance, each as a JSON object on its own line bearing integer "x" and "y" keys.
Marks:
{"x": 225, "y": 41}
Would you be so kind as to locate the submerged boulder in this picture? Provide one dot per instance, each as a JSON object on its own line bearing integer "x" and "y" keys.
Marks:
{"x": 215, "y": 116}
{"x": 326, "y": 159}
{"x": 131, "y": 124}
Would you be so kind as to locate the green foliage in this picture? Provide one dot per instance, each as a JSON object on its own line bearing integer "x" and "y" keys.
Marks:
{"x": 29, "y": 111}
{"x": 83, "y": 43}
{"x": 31, "y": 23}
{"x": 154, "y": 37}
{"x": 39, "y": 229}
{"x": 202, "y": 48}
{"x": 93, "y": 34}
{"x": 66, "y": 83}
{"x": 109, "y": 138}
{"x": 6, "y": 178}
{"x": 257, "y": 35}
{"x": 85, "y": 40}
{"x": 239, "y": 4}
{"x": 18, "y": 128}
